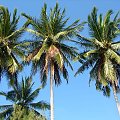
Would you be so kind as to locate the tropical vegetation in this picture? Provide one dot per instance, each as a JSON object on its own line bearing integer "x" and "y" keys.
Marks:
{"x": 22, "y": 95}
{"x": 102, "y": 52}
{"x": 23, "y": 114}
{"x": 11, "y": 48}
{"x": 51, "y": 50}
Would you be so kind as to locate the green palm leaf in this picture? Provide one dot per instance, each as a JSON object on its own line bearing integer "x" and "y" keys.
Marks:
{"x": 40, "y": 105}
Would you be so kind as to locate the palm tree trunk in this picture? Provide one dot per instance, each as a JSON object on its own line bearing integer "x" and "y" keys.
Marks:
{"x": 51, "y": 93}
{"x": 116, "y": 98}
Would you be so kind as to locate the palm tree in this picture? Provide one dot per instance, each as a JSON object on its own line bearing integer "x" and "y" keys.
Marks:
{"x": 11, "y": 48}
{"x": 23, "y": 96}
{"x": 51, "y": 51}
{"x": 102, "y": 52}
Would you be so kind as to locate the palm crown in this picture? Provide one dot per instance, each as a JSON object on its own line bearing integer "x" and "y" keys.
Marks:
{"x": 102, "y": 51}
{"x": 49, "y": 49}
{"x": 10, "y": 46}
{"x": 22, "y": 95}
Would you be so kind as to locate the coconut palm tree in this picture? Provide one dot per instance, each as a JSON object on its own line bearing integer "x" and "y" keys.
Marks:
{"x": 11, "y": 48}
{"x": 22, "y": 95}
{"x": 52, "y": 51}
{"x": 102, "y": 52}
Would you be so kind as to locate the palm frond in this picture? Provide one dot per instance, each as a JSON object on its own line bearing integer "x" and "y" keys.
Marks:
{"x": 113, "y": 56}
{"x": 59, "y": 60}
{"x": 40, "y": 105}
{"x": 57, "y": 78}
{"x": 40, "y": 52}
{"x": 34, "y": 32}
{"x": 9, "y": 96}
{"x": 6, "y": 112}
{"x": 116, "y": 46}
{"x": 65, "y": 74}
{"x": 95, "y": 30}
{"x": 33, "y": 95}
{"x": 89, "y": 53}
{"x": 3, "y": 107}
{"x": 67, "y": 61}
{"x": 86, "y": 64}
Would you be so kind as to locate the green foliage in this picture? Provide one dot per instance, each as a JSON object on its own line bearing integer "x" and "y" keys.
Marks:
{"x": 101, "y": 51}
{"x": 20, "y": 113}
{"x": 52, "y": 48}
{"x": 22, "y": 94}
{"x": 10, "y": 47}
{"x": 53, "y": 33}
{"x": 1, "y": 118}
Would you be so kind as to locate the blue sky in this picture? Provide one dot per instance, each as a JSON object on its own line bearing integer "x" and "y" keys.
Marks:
{"x": 76, "y": 100}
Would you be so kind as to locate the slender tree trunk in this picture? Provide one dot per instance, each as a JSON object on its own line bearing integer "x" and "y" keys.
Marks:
{"x": 51, "y": 93}
{"x": 116, "y": 98}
